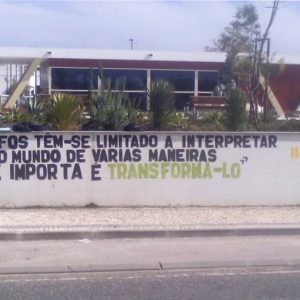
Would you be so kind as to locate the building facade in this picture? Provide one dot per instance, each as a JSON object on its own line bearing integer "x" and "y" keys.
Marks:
{"x": 192, "y": 74}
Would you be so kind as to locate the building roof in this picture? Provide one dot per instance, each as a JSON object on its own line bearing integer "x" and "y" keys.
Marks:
{"x": 24, "y": 55}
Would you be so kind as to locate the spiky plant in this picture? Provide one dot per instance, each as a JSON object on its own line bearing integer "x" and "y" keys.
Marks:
{"x": 109, "y": 109}
{"x": 35, "y": 110}
{"x": 64, "y": 111}
{"x": 162, "y": 105}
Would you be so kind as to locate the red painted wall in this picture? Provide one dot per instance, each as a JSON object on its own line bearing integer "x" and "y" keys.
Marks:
{"x": 286, "y": 87}
{"x": 134, "y": 64}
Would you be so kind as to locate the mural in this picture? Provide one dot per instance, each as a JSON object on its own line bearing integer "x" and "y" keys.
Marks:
{"x": 113, "y": 167}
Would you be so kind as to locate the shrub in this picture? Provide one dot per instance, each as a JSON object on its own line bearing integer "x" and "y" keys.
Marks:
{"x": 13, "y": 115}
{"x": 109, "y": 110}
{"x": 236, "y": 115}
{"x": 64, "y": 111}
{"x": 211, "y": 121}
{"x": 34, "y": 110}
{"x": 161, "y": 97}
{"x": 282, "y": 125}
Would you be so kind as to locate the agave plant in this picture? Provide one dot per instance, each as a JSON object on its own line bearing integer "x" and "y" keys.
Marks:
{"x": 13, "y": 115}
{"x": 64, "y": 111}
{"x": 162, "y": 105}
{"x": 110, "y": 109}
{"x": 34, "y": 110}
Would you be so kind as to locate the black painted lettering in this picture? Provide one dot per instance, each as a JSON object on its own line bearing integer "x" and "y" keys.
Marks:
{"x": 143, "y": 141}
{"x": 134, "y": 142}
{"x": 80, "y": 155}
{"x": 95, "y": 171}
{"x": 30, "y": 170}
{"x": 66, "y": 168}
{"x": 153, "y": 141}
{"x": 212, "y": 155}
{"x": 23, "y": 142}
{"x": 228, "y": 140}
{"x": 193, "y": 155}
{"x": 76, "y": 172}
{"x": 42, "y": 172}
{"x": 209, "y": 141}
{"x": 246, "y": 141}
{"x": 70, "y": 155}
{"x": 52, "y": 171}
{"x": 219, "y": 141}
{"x": 137, "y": 156}
{"x": 85, "y": 141}
{"x": 3, "y": 156}
{"x": 272, "y": 141}
{"x": 38, "y": 139}
{"x": 190, "y": 141}
{"x": 256, "y": 139}
{"x": 179, "y": 155}
{"x": 48, "y": 141}
{"x": 202, "y": 156}
{"x": 96, "y": 154}
{"x": 171, "y": 155}
{"x": 75, "y": 141}
{"x": 3, "y": 139}
{"x": 263, "y": 142}
{"x": 168, "y": 142}
{"x": 127, "y": 156}
{"x": 238, "y": 141}
{"x": 12, "y": 142}
{"x": 153, "y": 155}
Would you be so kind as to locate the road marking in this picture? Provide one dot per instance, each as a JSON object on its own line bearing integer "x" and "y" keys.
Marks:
{"x": 166, "y": 275}
{"x": 249, "y": 272}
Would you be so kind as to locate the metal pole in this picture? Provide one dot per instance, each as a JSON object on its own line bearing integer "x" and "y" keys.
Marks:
{"x": 265, "y": 100}
{"x": 131, "y": 43}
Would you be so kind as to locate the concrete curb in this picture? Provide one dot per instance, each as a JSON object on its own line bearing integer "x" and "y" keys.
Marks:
{"x": 132, "y": 267}
{"x": 80, "y": 268}
{"x": 164, "y": 233}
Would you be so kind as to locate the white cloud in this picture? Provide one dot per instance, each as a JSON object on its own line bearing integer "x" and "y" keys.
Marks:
{"x": 158, "y": 25}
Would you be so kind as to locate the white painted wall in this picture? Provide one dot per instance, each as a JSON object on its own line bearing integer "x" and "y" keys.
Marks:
{"x": 259, "y": 169}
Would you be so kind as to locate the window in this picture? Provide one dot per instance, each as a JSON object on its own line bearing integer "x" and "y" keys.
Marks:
{"x": 207, "y": 80}
{"x": 182, "y": 100}
{"x": 181, "y": 80}
{"x": 129, "y": 80}
{"x": 74, "y": 79}
{"x": 138, "y": 100}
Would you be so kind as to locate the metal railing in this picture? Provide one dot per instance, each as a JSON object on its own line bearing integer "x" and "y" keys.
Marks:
{"x": 3, "y": 98}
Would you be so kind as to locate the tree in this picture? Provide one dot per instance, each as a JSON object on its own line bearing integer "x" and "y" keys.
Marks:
{"x": 258, "y": 67}
{"x": 244, "y": 44}
{"x": 237, "y": 37}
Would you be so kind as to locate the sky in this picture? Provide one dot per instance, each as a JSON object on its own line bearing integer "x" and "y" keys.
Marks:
{"x": 153, "y": 25}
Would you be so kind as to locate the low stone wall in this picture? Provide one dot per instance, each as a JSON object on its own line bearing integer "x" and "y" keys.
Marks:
{"x": 149, "y": 169}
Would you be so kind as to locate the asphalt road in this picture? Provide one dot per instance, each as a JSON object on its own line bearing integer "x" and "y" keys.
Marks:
{"x": 238, "y": 283}
{"x": 228, "y": 267}
{"x": 47, "y": 256}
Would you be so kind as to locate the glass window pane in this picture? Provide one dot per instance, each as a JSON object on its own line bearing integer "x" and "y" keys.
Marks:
{"x": 182, "y": 100}
{"x": 74, "y": 79}
{"x": 139, "y": 100}
{"x": 130, "y": 80}
{"x": 207, "y": 81}
{"x": 181, "y": 80}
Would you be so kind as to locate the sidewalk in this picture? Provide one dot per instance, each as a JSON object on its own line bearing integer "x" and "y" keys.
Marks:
{"x": 40, "y": 223}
